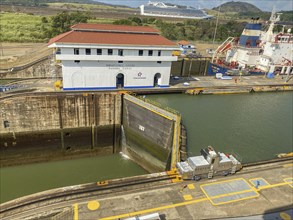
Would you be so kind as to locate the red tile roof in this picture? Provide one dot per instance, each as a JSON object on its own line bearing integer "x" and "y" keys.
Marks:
{"x": 58, "y": 37}
{"x": 111, "y": 38}
{"x": 111, "y": 27}
{"x": 183, "y": 42}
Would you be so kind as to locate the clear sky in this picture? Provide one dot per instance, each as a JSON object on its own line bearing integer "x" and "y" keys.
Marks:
{"x": 265, "y": 5}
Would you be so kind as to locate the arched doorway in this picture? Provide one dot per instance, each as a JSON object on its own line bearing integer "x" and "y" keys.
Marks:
{"x": 120, "y": 80}
{"x": 157, "y": 79}
{"x": 77, "y": 80}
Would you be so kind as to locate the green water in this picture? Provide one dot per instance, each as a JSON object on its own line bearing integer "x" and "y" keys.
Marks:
{"x": 257, "y": 126}
{"x": 24, "y": 180}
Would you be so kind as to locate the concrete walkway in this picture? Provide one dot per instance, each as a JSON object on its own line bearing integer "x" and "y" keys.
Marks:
{"x": 208, "y": 83}
{"x": 189, "y": 200}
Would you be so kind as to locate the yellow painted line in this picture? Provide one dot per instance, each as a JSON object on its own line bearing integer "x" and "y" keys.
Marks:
{"x": 232, "y": 193}
{"x": 229, "y": 194}
{"x": 288, "y": 165}
{"x": 75, "y": 210}
{"x": 223, "y": 181}
{"x": 131, "y": 214}
{"x": 260, "y": 178}
{"x": 190, "y": 186}
{"x": 275, "y": 185}
{"x": 144, "y": 106}
{"x": 187, "y": 197}
{"x": 288, "y": 178}
{"x": 175, "y": 147}
{"x": 226, "y": 181}
{"x": 236, "y": 200}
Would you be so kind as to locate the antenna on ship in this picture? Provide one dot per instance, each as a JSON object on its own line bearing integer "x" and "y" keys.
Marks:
{"x": 215, "y": 33}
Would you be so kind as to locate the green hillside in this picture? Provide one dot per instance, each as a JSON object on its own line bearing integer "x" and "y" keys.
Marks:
{"x": 239, "y": 7}
{"x": 44, "y": 2}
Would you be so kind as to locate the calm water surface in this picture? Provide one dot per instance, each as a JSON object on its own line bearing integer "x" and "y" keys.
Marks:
{"x": 257, "y": 126}
{"x": 24, "y": 180}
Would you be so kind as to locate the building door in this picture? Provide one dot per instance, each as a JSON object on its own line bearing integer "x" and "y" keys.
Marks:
{"x": 120, "y": 81}
{"x": 157, "y": 79}
{"x": 77, "y": 80}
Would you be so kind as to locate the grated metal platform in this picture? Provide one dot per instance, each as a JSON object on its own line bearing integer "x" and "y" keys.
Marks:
{"x": 228, "y": 191}
{"x": 259, "y": 182}
{"x": 289, "y": 180}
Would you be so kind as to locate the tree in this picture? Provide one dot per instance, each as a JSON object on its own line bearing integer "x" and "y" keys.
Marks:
{"x": 63, "y": 21}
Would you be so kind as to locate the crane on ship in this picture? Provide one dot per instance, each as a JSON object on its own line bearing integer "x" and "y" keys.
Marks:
{"x": 226, "y": 45}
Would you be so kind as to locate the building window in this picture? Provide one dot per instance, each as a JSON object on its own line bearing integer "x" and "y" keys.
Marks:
{"x": 120, "y": 52}
{"x": 58, "y": 51}
{"x": 159, "y": 53}
{"x": 150, "y": 53}
{"x": 110, "y": 51}
{"x": 99, "y": 51}
{"x": 88, "y": 51}
{"x": 76, "y": 51}
{"x": 140, "y": 53}
{"x": 77, "y": 61}
{"x": 159, "y": 61}
{"x": 120, "y": 61}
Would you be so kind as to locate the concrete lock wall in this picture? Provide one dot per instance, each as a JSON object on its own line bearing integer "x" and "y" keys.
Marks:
{"x": 37, "y": 69}
{"x": 40, "y": 127}
{"x": 190, "y": 67}
{"x": 148, "y": 136}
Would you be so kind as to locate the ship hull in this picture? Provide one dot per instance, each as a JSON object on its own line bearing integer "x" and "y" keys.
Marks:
{"x": 214, "y": 68}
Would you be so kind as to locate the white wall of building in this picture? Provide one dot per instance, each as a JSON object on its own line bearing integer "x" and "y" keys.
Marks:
{"x": 95, "y": 71}
{"x": 102, "y": 75}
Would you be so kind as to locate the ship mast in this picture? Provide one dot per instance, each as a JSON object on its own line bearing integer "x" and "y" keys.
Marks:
{"x": 275, "y": 17}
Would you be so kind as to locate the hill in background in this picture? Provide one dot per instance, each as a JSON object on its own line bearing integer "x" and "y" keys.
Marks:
{"x": 44, "y": 2}
{"x": 242, "y": 7}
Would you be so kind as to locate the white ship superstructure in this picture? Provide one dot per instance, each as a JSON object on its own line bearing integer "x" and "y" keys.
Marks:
{"x": 161, "y": 9}
{"x": 256, "y": 51}
{"x": 277, "y": 53}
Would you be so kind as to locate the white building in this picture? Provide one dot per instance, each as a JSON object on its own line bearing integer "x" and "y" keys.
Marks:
{"x": 103, "y": 56}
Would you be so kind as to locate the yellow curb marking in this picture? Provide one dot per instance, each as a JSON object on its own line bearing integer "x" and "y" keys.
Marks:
{"x": 178, "y": 179}
{"x": 93, "y": 205}
{"x": 75, "y": 210}
{"x": 190, "y": 186}
{"x": 187, "y": 197}
{"x": 285, "y": 216}
{"x": 288, "y": 165}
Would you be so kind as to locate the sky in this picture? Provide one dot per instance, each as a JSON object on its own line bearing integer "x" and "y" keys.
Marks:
{"x": 265, "y": 5}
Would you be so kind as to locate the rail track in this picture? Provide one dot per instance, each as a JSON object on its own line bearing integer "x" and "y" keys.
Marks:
{"x": 99, "y": 188}
{"x": 71, "y": 194}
